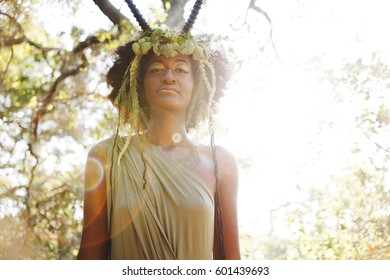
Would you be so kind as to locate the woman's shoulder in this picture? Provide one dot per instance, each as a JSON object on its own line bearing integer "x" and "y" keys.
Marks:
{"x": 100, "y": 149}
{"x": 225, "y": 158}
{"x": 225, "y": 154}
{"x": 227, "y": 167}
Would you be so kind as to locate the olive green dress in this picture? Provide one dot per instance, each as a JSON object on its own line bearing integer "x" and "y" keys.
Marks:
{"x": 171, "y": 217}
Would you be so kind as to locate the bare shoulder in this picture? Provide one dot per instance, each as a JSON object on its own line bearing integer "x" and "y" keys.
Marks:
{"x": 227, "y": 164}
{"x": 224, "y": 156}
{"x": 225, "y": 159}
{"x": 99, "y": 150}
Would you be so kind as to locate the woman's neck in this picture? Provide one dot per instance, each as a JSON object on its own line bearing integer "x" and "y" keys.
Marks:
{"x": 167, "y": 130}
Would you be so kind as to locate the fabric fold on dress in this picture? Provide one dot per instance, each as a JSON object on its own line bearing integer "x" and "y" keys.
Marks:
{"x": 171, "y": 217}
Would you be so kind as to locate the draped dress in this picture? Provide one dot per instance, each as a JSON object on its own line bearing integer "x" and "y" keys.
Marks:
{"x": 170, "y": 217}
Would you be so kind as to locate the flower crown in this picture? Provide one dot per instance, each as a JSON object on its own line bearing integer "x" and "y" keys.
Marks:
{"x": 168, "y": 44}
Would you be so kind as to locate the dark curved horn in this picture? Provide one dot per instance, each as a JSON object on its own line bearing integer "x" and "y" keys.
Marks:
{"x": 194, "y": 13}
{"x": 141, "y": 21}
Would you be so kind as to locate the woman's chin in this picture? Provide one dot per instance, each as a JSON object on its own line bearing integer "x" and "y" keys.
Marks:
{"x": 169, "y": 103}
{"x": 165, "y": 107}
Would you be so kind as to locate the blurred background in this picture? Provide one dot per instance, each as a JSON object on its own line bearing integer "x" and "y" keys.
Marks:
{"x": 306, "y": 113}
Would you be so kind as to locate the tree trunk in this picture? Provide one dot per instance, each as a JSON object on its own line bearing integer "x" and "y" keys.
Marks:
{"x": 110, "y": 11}
{"x": 175, "y": 19}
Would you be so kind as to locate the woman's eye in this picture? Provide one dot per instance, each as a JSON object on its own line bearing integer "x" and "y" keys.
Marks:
{"x": 155, "y": 70}
{"x": 181, "y": 70}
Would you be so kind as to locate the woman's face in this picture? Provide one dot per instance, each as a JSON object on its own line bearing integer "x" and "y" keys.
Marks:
{"x": 169, "y": 83}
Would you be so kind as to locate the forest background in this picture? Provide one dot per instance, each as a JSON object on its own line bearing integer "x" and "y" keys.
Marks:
{"x": 307, "y": 114}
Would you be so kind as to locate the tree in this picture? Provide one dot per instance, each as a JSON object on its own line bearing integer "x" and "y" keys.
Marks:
{"x": 51, "y": 110}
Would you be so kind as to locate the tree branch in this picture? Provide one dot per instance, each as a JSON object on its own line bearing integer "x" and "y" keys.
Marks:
{"x": 379, "y": 146}
{"x": 9, "y": 61}
{"x": 267, "y": 17}
{"x": 89, "y": 41}
{"x": 23, "y": 39}
{"x": 264, "y": 13}
{"x": 175, "y": 14}
{"x": 11, "y": 192}
{"x": 253, "y": 6}
{"x": 53, "y": 90}
{"x": 113, "y": 14}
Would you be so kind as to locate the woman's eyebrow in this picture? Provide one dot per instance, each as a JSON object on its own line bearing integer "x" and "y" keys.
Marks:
{"x": 156, "y": 61}
{"x": 183, "y": 60}
{"x": 177, "y": 60}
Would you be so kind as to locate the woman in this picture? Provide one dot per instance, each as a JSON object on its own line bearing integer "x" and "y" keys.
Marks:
{"x": 154, "y": 194}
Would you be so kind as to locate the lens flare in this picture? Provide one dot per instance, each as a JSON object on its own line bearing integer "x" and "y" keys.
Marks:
{"x": 94, "y": 174}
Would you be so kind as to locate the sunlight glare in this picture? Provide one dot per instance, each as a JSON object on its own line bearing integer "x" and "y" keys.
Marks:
{"x": 95, "y": 176}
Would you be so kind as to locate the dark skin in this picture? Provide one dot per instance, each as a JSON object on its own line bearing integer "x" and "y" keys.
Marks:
{"x": 168, "y": 85}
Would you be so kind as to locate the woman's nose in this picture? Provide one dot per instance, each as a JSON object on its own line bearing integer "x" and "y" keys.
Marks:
{"x": 168, "y": 77}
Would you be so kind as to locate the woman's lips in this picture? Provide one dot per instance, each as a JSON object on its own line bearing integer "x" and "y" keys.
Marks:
{"x": 168, "y": 90}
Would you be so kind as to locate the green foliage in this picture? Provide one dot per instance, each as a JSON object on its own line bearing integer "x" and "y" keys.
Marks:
{"x": 52, "y": 108}
{"x": 347, "y": 220}
{"x": 348, "y": 217}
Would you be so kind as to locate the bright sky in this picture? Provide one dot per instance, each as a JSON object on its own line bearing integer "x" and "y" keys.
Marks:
{"x": 274, "y": 108}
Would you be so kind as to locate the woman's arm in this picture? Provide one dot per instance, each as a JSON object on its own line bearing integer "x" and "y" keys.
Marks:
{"x": 228, "y": 178}
{"x": 95, "y": 240}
